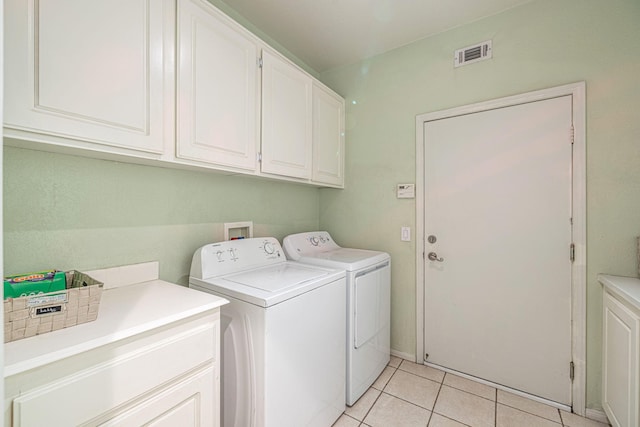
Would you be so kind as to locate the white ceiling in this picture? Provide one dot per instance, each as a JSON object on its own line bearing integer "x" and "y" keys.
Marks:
{"x": 329, "y": 33}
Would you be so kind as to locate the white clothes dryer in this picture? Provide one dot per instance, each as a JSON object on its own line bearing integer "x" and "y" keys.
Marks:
{"x": 283, "y": 333}
{"x": 368, "y": 303}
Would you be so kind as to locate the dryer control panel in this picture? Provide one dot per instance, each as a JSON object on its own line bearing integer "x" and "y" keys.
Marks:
{"x": 216, "y": 259}
{"x": 308, "y": 244}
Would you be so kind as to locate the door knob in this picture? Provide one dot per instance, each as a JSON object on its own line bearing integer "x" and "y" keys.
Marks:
{"x": 434, "y": 257}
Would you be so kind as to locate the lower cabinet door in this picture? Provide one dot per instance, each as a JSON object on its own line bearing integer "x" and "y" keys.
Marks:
{"x": 190, "y": 402}
{"x": 124, "y": 376}
{"x": 620, "y": 388}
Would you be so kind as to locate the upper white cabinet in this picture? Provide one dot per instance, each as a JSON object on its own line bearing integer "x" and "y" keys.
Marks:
{"x": 328, "y": 137}
{"x": 169, "y": 82}
{"x": 286, "y": 118}
{"x": 90, "y": 72}
{"x": 217, "y": 98}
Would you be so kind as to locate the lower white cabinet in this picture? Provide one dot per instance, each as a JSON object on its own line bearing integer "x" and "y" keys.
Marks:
{"x": 164, "y": 375}
{"x": 620, "y": 381}
{"x": 162, "y": 378}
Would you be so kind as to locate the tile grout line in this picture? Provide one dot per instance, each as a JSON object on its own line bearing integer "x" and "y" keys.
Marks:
{"x": 533, "y": 414}
{"x": 442, "y": 384}
{"x": 433, "y": 408}
{"x": 406, "y": 401}
{"x": 495, "y": 415}
{"x": 395, "y": 369}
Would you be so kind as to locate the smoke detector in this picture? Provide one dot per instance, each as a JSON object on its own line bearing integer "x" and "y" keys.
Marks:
{"x": 470, "y": 54}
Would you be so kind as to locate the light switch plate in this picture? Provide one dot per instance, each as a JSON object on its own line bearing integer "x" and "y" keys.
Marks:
{"x": 405, "y": 234}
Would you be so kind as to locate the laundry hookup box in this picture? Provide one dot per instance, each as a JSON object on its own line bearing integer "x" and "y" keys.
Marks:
{"x": 37, "y": 303}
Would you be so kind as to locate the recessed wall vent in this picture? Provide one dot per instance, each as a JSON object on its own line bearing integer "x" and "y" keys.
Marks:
{"x": 470, "y": 54}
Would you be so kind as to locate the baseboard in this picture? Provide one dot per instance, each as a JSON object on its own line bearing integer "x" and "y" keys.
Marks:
{"x": 401, "y": 355}
{"x": 597, "y": 415}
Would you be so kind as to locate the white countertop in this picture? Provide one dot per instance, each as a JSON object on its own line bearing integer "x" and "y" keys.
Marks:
{"x": 627, "y": 288}
{"x": 124, "y": 312}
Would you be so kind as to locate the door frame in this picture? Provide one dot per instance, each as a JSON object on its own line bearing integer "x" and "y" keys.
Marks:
{"x": 579, "y": 232}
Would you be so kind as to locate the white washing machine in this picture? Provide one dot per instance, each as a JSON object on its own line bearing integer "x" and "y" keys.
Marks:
{"x": 283, "y": 332}
{"x": 368, "y": 303}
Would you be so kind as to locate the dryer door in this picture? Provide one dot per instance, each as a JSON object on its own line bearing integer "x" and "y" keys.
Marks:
{"x": 372, "y": 303}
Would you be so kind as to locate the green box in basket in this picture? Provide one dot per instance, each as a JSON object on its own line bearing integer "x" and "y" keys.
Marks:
{"x": 37, "y": 283}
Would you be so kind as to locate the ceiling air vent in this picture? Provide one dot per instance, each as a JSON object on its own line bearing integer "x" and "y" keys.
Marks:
{"x": 471, "y": 54}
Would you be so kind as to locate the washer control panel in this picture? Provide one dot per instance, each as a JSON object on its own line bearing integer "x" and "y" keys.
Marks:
{"x": 216, "y": 259}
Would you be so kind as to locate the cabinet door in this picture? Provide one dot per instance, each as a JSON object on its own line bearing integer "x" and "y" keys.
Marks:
{"x": 286, "y": 118}
{"x": 620, "y": 397}
{"x": 217, "y": 108}
{"x": 189, "y": 403}
{"x": 328, "y": 137}
{"x": 91, "y": 71}
{"x": 124, "y": 375}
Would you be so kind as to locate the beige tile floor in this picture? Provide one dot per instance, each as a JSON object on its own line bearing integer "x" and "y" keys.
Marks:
{"x": 407, "y": 394}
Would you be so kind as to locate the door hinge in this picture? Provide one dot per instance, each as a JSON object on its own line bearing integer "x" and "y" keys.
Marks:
{"x": 572, "y": 252}
{"x": 572, "y": 370}
{"x": 572, "y": 133}
{"x": 259, "y": 157}
{"x": 426, "y": 356}
{"x": 259, "y": 62}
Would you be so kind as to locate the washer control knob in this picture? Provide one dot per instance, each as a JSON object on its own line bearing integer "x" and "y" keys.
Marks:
{"x": 314, "y": 240}
{"x": 268, "y": 248}
{"x": 219, "y": 255}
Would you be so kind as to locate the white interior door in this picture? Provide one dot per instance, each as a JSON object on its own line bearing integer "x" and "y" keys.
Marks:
{"x": 498, "y": 201}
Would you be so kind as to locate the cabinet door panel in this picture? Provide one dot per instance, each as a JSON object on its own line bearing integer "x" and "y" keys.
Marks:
{"x": 82, "y": 61}
{"x": 90, "y": 71}
{"x": 217, "y": 98}
{"x": 189, "y": 403}
{"x": 328, "y": 137}
{"x": 620, "y": 364}
{"x": 286, "y": 119}
{"x": 118, "y": 381}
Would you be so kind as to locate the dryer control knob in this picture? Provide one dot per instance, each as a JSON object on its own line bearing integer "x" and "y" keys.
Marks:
{"x": 314, "y": 241}
{"x": 219, "y": 255}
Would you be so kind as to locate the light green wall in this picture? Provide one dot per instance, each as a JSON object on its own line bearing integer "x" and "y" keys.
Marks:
{"x": 220, "y": 4}
{"x": 542, "y": 44}
{"x": 71, "y": 212}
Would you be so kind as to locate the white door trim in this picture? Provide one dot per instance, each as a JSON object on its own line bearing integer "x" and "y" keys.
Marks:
{"x": 578, "y": 276}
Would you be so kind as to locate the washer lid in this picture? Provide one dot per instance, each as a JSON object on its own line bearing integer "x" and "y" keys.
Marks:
{"x": 346, "y": 258}
{"x": 270, "y": 285}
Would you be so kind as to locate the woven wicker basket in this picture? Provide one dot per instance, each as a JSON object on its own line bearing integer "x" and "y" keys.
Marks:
{"x": 34, "y": 315}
